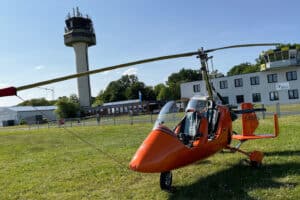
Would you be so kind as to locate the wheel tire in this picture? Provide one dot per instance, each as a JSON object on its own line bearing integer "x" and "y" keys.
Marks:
{"x": 255, "y": 164}
{"x": 166, "y": 180}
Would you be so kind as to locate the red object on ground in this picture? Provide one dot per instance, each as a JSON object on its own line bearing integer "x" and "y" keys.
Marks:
{"x": 10, "y": 91}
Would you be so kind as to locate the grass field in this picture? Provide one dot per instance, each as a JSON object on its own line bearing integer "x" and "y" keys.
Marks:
{"x": 54, "y": 164}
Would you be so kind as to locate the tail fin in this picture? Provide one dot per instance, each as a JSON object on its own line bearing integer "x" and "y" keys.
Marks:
{"x": 249, "y": 120}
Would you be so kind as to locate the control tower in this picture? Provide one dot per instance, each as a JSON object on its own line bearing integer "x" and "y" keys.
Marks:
{"x": 79, "y": 34}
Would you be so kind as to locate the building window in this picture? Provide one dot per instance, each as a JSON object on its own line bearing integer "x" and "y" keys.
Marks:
{"x": 238, "y": 82}
{"x": 240, "y": 98}
{"x": 254, "y": 80}
{"x": 278, "y": 55}
{"x": 274, "y": 96}
{"x": 256, "y": 97}
{"x": 293, "y": 54}
{"x": 272, "y": 78}
{"x": 196, "y": 88}
{"x": 285, "y": 55}
{"x": 225, "y": 100}
{"x": 223, "y": 84}
{"x": 293, "y": 94}
{"x": 290, "y": 76}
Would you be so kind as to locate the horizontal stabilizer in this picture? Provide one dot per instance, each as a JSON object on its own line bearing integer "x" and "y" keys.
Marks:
{"x": 261, "y": 136}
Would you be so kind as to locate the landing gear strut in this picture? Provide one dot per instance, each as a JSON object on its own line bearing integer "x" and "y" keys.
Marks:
{"x": 255, "y": 157}
{"x": 166, "y": 180}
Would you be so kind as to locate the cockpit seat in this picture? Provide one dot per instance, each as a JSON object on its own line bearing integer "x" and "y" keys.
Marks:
{"x": 189, "y": 127}
{"x": 213, "y": 119}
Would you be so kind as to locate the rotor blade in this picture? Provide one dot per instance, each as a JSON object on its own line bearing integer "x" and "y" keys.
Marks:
{"x": 63, "y": 78}
{"x": 25, "y": 87}
{"x": 242, "y": 45}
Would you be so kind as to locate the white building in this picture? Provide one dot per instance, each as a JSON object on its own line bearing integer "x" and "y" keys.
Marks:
{"x": 29, "y": 114}
{"x": 277, "y": 82}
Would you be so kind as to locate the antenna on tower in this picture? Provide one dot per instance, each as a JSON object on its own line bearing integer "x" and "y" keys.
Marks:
{"x": 77, "y": 12}
{"x": 73, "y": 12}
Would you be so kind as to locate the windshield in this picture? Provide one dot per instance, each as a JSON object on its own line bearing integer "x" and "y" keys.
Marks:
{"x": 169, "y": 116}
{"x": 198, "y": 105}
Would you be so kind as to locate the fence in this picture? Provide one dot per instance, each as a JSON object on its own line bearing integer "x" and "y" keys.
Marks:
{"x": 291, "y": 109}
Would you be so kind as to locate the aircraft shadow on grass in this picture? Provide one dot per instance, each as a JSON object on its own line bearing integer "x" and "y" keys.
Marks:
{"x": 237, "y": 181}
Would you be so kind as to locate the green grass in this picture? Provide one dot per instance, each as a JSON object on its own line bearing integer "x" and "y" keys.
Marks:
{"x": 53, "y": 164}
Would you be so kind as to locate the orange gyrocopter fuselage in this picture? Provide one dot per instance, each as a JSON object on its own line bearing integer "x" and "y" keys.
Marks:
{"x": 205, "y": 129}
{"x": 163, "y": 150}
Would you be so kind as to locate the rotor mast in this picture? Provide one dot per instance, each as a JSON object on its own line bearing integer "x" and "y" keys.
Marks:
{"x": 204, "y": 70}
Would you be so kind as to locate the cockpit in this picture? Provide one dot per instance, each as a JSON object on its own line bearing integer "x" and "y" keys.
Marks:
{"x": 196, "y": 121}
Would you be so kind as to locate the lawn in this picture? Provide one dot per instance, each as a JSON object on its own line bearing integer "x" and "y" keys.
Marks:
{"x": 92, "y": 163}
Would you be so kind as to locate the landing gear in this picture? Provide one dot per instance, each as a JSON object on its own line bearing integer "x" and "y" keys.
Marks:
{"x": 166, "y": 180}
{"x": 255, "y": 157}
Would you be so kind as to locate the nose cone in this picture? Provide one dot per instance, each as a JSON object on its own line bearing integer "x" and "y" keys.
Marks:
{"x": 157, "y": 153}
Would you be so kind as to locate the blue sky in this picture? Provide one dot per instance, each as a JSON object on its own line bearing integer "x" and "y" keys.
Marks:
{"x": 32, "y": 47}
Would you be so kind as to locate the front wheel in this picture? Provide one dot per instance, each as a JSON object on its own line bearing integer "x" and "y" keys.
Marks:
{"x": 166, "y": 180}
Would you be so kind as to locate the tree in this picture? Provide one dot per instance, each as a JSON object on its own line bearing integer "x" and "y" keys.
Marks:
{"x": 125, "y": 88}
{"x": 244, "y": 68}
{"x": 157, "y": 89}
{"x": 98, "y": 101}
{"x": 37, "y": 102}
{"x": 165, "y": 94}
{"x": 175, "y": 79}
{"x": 67, "y": 108}
{"x": 74, "y": 98}
{"x": 132, "y": 92}
{"x": 148, "y": 93}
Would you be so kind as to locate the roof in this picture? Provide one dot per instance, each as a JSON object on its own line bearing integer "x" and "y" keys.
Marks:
{"x": 121, "y": 102}
{"x": 31, "y": 108}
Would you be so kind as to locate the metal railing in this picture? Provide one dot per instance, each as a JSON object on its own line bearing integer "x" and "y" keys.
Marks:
{"x": 281, "y": 110}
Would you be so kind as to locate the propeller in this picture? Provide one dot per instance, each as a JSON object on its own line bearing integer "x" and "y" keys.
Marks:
{"x": 12, "y": 90}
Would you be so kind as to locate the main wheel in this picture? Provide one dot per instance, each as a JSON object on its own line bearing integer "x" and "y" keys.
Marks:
{"x": 255, "y": 164}
{"x": 166, "y": 180}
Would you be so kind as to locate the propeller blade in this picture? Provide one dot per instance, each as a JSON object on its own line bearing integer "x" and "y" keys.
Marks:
{"x": 63, "y": 78}
{"x": 242, "y": 45}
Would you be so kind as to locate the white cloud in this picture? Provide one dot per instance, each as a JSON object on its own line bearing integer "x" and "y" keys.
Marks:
{"x": 39, "y": 67}
{"x": 131, "y": 71}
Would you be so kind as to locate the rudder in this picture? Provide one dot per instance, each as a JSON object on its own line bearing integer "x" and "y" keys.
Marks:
{"x": 249, "y": 120}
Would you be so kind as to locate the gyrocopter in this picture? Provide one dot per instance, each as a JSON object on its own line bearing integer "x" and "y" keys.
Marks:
{"x": 205, "y": 128}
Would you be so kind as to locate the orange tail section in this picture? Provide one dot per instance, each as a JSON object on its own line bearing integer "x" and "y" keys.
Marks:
{"x": 249, "y": 120}
{"x": 250, "y": 123}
